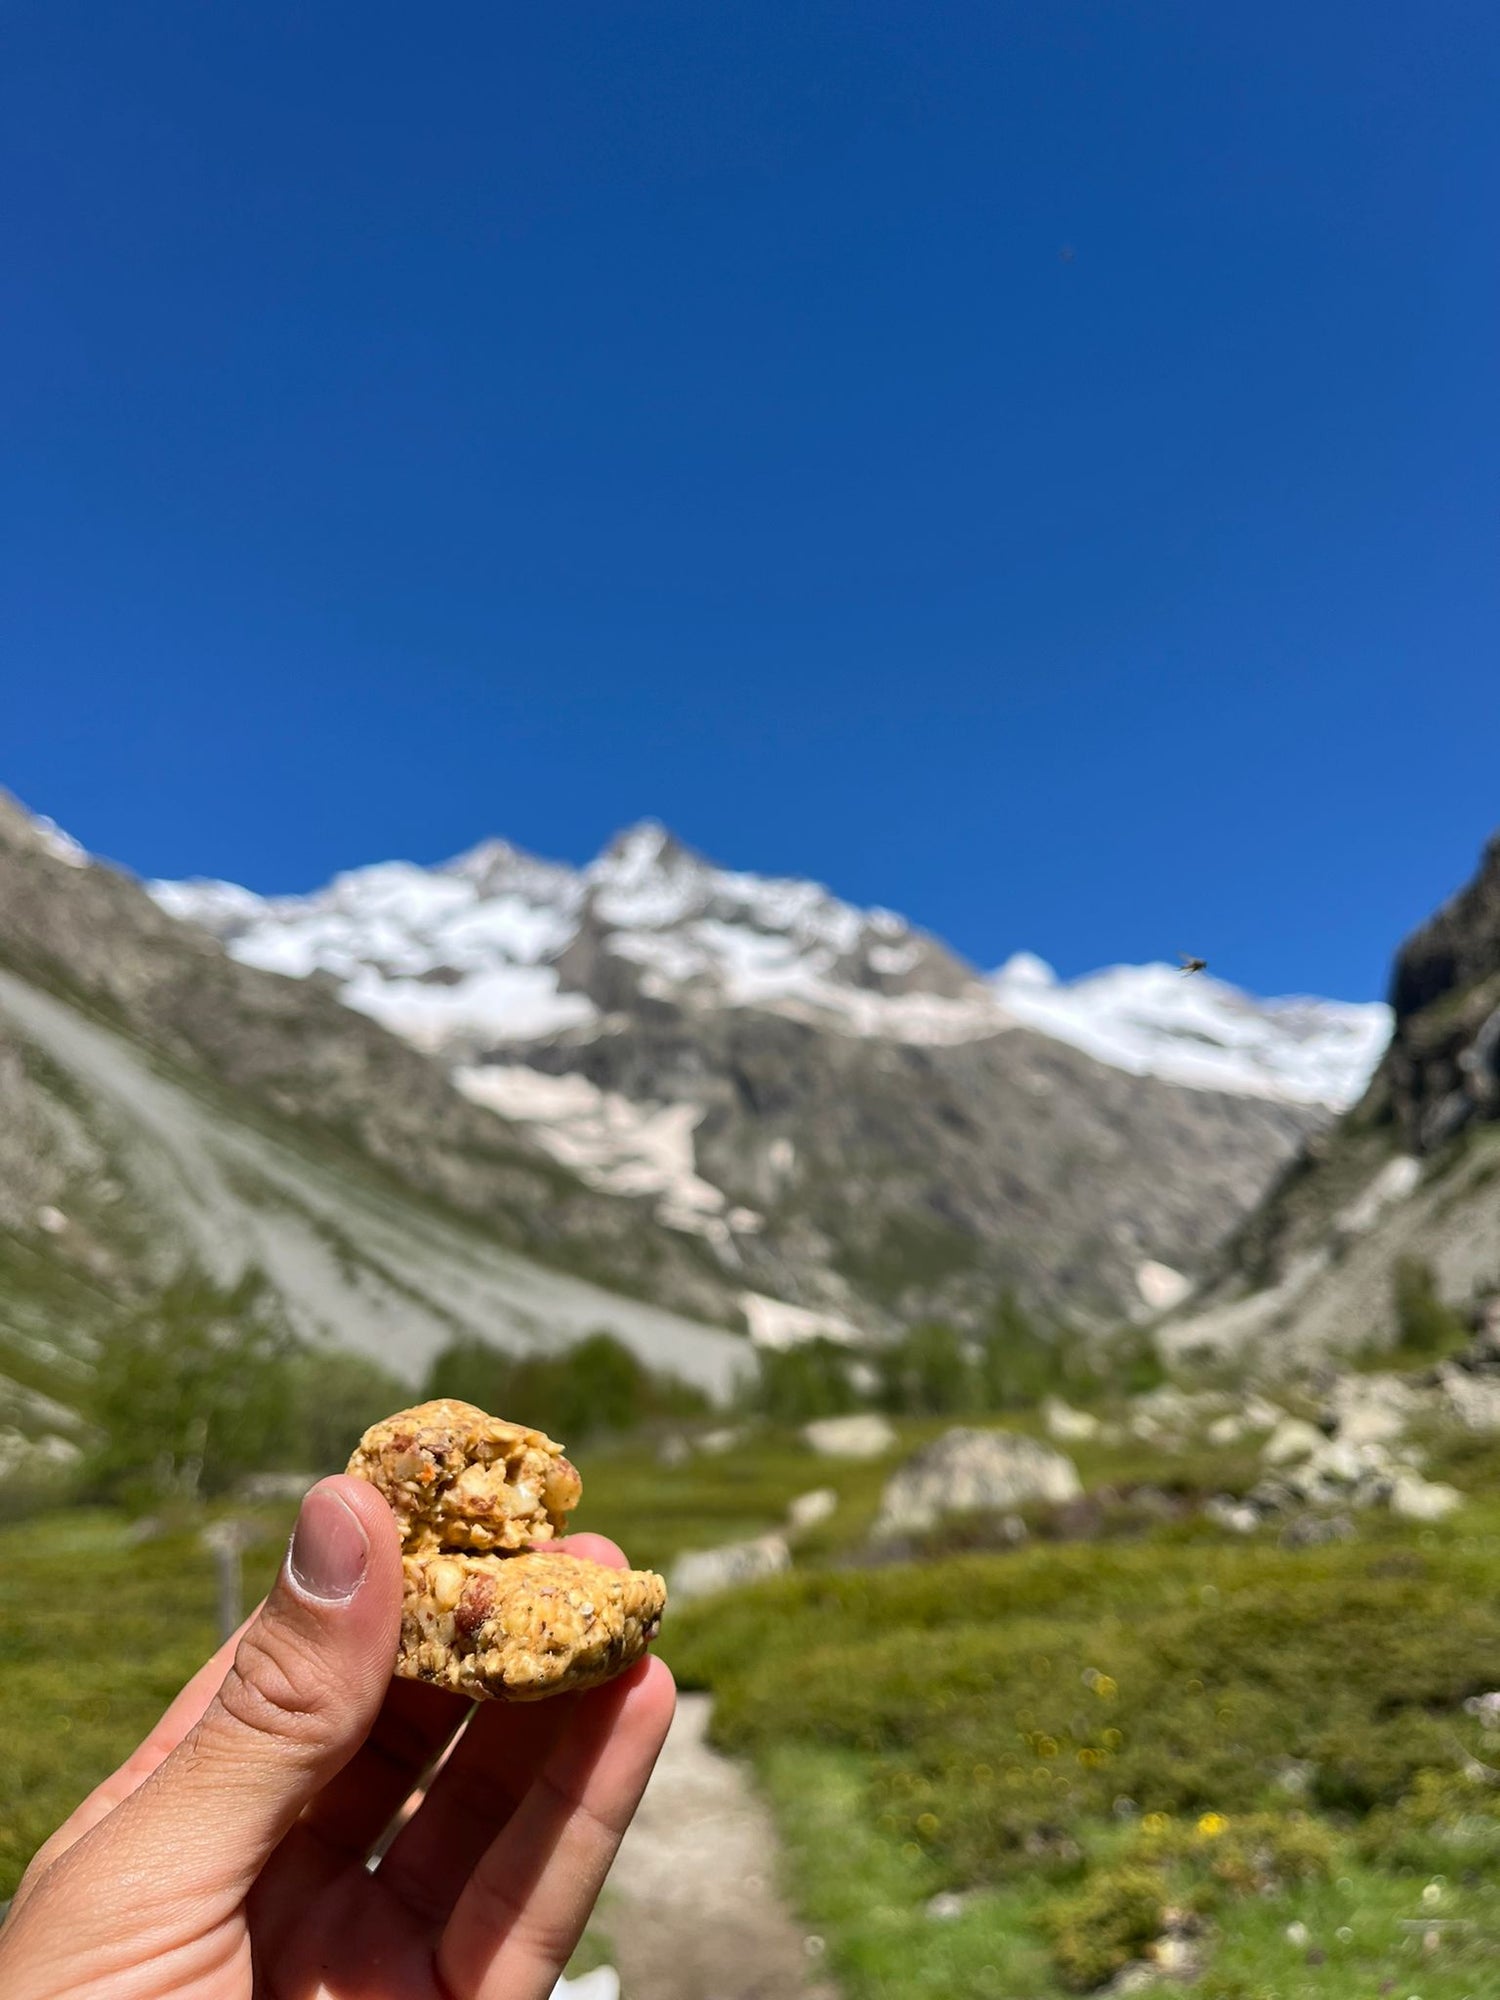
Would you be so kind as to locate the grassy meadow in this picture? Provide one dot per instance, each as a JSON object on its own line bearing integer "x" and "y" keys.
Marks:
{"x": 1000, "y": 1773}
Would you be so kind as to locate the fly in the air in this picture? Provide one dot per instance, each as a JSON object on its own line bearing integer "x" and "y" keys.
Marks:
{"x": 1192, "y": 964}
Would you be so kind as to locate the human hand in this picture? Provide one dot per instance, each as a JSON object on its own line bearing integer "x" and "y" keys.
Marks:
{"x": 227, "y": 1856}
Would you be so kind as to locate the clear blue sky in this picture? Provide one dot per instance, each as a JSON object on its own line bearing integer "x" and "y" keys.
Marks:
{"x": 1037, "y": 466}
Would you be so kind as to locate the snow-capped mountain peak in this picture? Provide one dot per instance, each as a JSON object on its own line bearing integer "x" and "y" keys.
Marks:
{"x": 496, "y": 949}
{"x": 1196, "y": 1030}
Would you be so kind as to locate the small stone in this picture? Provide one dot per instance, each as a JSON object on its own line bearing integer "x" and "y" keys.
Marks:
{"x": 718, "y": 1442}
{"x": 866, "y": 1436}
{"x": 1292, "y": 1438}
{"x": 809, "y": 1510}
{"x": 1067, "y": 1425}
{"x": 945, "y": 1906}
{"x": 973, "y": 1472}
{"x": 1416, "y": 1499}
{"x": 702, "y": 1572}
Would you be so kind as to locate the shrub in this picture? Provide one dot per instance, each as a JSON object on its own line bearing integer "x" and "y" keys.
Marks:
{"x": 334, "y": 1396}
{"x": 1426, "y": 1328}
{"x": 928, "y": 1373}
{"x": 190, "y": 1393}
{"x": 798, "y": 1384}
{"x": 595, "y": 1387}
{"x": 1111, "y": 1920}
{"x": 1244, "y": 1854}
{"x": 1448, "y": 1820}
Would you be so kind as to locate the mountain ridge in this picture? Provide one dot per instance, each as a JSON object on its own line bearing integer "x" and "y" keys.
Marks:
{"x": 804, "y": 1083}
{"x": 781, "y": 943}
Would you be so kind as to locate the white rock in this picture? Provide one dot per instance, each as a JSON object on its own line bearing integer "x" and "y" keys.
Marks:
{"x": 1259, "y": 1415}
{"x": 808, "y": 1510}
{"x": 718, "y": 1442}
{"x": 51, "y": 1219}
{"x": 945, "y": 1906}
{"x": 1161, "y": 1287}
{"x": 1292, "y": 1438}
{"x": 1372, "y": 1409}
{"x": 866, "y": 1436}
{"x": 973, "y": 1472}
{"x": 1226, "y": 1430}
{"x": 701, "y": 1572}
{"x": 1067, "y": 1425}
{"x": 1473, "y": 1399}
{"x": 1418, "y": 1499}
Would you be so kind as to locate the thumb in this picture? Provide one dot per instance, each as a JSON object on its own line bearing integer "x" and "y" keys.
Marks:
{"x": 303, "y": 1691}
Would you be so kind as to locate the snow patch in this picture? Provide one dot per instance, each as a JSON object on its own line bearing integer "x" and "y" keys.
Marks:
{"x": 775, "y": 1324}
{"x": 614, "y": 1144}
{"x": 463, "y": 959}
{"x": 1198, "y": 1031}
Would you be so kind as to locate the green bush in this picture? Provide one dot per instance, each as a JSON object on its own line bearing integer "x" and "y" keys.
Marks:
{"x": 929, "y": 1372}
{"x": 1006, "y": 1703}
{"x": 595, "y": 1388}
{"x": 799, "y": 1384}
{"x": 335, "y": 1396}
{"x": 1448, "y": 1820}
{"x": 1426, "y": 1328}
{"x": 1097, "y": 1932}
{"x": 1249, "y": 1854}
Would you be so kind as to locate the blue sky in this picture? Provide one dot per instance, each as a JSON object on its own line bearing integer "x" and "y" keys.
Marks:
{"x": 1032, "y": 466}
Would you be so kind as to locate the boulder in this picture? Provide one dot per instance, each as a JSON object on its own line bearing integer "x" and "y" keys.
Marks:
{"x": 973, "y": 1472}
{"x": 866, "y": 1436}
{"x": 1371, "y": 1409}
{"x": 1473, "y": 1399}
{"x": 702, "y": 1572}
{"x": 1067, "y": 1425}
{"x": 1418, "y": 1499}
{"x": 809, "y": 1510}
{"x": 1292, "y": 1438}
{"x": 720, "y": 1441}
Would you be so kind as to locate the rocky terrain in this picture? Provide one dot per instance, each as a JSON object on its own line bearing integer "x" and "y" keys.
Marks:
{"x": 849, "y": 1118}
{"x": 1410, "y": 1172}
{"x": 163, "y": 1107}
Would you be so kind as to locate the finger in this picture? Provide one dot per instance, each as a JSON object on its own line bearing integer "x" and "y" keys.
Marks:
{"x": 524, "y": 1908}
{"x": 182, "y": 1713}
{"x": 470, "y": 1801}
{"x": 503, "y": 1747}
{"x": 415, "y": 1725}
{"x": 303, "y": 1689}
{"x": 596, "y": 1548}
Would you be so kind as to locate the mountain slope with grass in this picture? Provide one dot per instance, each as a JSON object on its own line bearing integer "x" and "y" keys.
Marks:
{"x": 841, "y": 1110}
{"x": 1404, "y": 1190}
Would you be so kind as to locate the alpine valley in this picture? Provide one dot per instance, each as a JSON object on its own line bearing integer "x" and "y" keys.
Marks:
{"x": 515, "y": 1100}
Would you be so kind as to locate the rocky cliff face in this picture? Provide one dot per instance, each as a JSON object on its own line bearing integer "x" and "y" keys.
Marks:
{"x": 1412, "y": 1170}
{"x": 1443, "y": 1067}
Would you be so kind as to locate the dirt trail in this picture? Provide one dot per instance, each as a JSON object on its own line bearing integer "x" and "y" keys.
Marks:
{"x": 692, "y": 1910}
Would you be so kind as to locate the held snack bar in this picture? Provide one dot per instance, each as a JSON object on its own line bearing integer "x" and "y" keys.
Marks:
{"x": 485, "y": 1612}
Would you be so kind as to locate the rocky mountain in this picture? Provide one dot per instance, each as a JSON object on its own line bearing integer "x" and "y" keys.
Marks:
{"x": 164, "y": 1107}
{"x": 855, "y": 1124}
{"x": 1411, "y": 1171}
